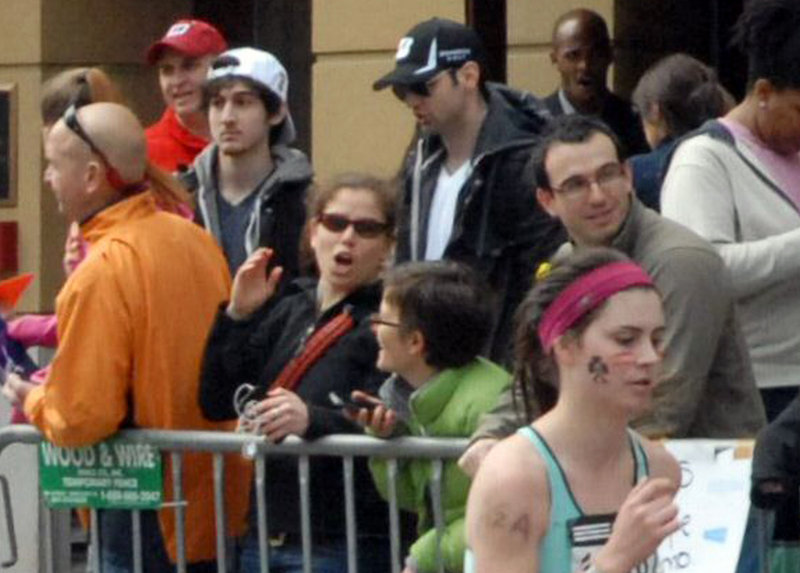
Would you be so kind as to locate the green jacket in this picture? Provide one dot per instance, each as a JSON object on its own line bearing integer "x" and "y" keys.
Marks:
{"x": 448, "y": 406}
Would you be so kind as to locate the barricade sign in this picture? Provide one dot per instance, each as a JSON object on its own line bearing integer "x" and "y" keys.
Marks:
{"x": 113, "y": 474}
{"x": 713, "y": 503}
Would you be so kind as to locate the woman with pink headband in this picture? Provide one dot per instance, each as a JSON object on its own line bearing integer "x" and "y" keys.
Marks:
{"x": 577, "y": 490}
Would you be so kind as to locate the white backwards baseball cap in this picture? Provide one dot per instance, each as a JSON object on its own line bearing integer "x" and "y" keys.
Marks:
{"x": 262, "y": 68}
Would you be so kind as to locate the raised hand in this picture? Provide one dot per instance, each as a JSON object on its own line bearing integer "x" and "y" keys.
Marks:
{"x": 252, "y": 286}
{"x": 647, "y": 516}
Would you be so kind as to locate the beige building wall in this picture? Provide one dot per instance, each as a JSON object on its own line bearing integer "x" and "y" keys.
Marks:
{"x": 353, "y": 41}
{"x": 39, "y": 38}
{"x": 353, "y": 127}
{"x": 20, "y": 33}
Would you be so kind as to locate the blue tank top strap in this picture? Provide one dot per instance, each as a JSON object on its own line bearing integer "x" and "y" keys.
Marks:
{"x": 555, "y": 551}
{"x": 560, "y": 493}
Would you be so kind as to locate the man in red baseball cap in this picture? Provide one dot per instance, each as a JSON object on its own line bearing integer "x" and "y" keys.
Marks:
{"x": 182, "y": 57}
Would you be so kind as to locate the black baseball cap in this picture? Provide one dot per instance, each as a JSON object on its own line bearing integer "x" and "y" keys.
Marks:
{"x": 430, "y": 47}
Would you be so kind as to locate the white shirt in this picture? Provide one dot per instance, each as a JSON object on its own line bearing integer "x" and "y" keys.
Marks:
{"x": 443, "y": 209}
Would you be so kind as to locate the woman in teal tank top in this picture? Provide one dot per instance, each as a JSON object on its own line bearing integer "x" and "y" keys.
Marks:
{"x": 577, "y": 491}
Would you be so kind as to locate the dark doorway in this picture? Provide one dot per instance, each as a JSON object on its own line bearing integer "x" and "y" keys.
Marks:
{"x": 488, "y": 19}
{"x": 647, "y": 30}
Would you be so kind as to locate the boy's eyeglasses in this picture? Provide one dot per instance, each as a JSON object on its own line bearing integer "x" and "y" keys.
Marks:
{"x": 376, "y": 319}
{"x": 366, "y": 228}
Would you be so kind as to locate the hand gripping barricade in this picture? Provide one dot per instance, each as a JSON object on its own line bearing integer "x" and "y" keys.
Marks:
{"x": 174, "y": 443}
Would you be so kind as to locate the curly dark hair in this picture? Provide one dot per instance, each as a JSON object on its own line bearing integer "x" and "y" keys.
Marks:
{"x": 768, "y": 32}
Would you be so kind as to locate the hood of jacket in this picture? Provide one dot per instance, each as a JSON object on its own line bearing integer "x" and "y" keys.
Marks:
{"x": 292, "y": 168}
{"x": 514, "y": 118}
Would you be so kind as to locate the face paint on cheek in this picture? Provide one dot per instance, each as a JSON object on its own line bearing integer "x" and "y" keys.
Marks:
{"x": 623, "y": 359}
{"x": 598, "y": 369}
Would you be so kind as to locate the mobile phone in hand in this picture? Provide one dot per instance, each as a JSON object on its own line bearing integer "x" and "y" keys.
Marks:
{"x": 348, "y": 403}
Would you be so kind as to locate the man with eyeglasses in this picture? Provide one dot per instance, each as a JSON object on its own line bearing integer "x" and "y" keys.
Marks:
{"x": 250, "y": 184}
{"x": 130, "y": 339}
{"x": 708, "y": 389}
{"x": 466, "y": 191}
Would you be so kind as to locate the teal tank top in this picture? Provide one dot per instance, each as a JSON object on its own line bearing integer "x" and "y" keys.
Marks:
{"x": 572, "y": 536}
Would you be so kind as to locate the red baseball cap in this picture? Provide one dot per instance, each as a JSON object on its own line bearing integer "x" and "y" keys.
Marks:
{"x": 190, "y": 37}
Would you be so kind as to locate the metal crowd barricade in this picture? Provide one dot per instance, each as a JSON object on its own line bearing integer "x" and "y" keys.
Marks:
{"x": 347, "y": 447}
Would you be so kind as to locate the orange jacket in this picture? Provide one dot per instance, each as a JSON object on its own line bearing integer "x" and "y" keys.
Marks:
{"x": 132, "y": 325}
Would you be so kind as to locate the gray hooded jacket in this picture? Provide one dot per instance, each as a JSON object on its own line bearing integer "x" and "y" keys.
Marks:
{"x": 278, "y": 213}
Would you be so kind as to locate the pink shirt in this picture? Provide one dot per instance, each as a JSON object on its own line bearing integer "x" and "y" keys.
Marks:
{"x": 783, "y": 169}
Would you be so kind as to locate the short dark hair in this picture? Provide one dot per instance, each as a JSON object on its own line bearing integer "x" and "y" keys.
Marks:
{"x": 686, "y": 91}
{"x": 593, "y": 21}
{"x": 447, "y": 303}
{"x": 768, "y": 32}
{"x": 573, "y": 128}
{"x": 272, "y": 101}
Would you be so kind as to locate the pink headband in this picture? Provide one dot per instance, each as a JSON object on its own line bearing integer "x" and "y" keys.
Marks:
{"x": 586, "y": 294}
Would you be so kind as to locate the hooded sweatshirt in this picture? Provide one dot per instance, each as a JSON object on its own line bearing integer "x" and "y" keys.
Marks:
{"x": 278, "y": 208}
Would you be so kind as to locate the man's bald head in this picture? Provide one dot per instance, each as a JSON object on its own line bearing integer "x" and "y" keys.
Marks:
{"x": 579, "y": 22}
{"x": 581, "y": 52}
{"x": 93, "y": 156}
{"x": 118, "y": 134}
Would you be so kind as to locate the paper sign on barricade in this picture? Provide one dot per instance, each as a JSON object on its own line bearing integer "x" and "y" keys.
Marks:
{"x": 713, "y": 501}
{"x": 113, "y": 474}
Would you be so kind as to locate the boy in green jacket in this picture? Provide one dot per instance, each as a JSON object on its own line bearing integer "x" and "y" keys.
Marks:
{"x": 434, "y": 319}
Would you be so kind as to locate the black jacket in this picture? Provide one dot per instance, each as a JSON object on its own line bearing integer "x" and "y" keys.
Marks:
{"x": 776, "y": 459}
{"x": 255, "y": 351}
{"x": 499, "y": 229}
{"x": 619, "y": 115}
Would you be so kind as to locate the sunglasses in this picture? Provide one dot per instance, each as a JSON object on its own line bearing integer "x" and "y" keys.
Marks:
{"x": 71, "y": 121}
{"x": 366, "y": 228}
{"x": 422, "y": 89}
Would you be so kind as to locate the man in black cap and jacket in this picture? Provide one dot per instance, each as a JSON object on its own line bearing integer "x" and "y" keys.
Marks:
{"x": 467, "y": 191}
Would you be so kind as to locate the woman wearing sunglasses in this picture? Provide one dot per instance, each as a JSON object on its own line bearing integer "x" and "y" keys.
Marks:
{"x": 313, "y": 341}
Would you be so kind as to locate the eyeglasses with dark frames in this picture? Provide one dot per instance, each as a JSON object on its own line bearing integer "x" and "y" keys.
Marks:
{"x": 71, "y": 121}
{"x": 376, "y": 319}
{"x": 366, "y": 228}
{"x": 608, "y": 177}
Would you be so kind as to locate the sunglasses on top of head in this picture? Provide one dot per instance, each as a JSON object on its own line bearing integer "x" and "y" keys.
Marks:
{"x": 366, "y": 228}
{"x": 71, "y": 121}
